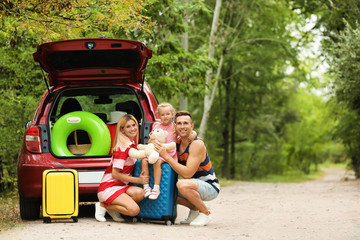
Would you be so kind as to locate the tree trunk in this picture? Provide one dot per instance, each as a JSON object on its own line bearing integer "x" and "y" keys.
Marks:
{"x": 226, "y": 127}
{"x": 2, "y": 185}
{"x": 183, "y": 100}
{"x": 232, "y": 144}
{"x": 210, "y": 92}
{"x": 233, "y": 133}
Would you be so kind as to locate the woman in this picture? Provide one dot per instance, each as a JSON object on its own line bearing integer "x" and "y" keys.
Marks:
{"x": 115, "y": 193}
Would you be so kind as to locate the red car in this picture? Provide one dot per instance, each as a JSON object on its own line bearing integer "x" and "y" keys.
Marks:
{"x": 92, "y": 81}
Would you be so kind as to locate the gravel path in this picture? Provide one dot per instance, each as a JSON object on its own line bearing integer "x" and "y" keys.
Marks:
{"x": 322, "y": 209}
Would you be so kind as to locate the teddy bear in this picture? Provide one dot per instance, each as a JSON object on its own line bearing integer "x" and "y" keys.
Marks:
{"x": 148, "y": 150}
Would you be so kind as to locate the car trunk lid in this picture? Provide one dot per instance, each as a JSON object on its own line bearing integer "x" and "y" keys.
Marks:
{"x": 80, "y": 61}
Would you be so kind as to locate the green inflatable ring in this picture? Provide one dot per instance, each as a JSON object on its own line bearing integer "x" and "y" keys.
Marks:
{"x": 80, "y": 120}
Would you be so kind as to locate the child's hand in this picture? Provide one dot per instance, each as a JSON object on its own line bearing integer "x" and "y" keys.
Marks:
{"x": 192, "y": 136}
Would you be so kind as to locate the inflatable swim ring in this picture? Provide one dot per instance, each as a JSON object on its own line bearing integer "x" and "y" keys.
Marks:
{"x": 80, "y": 120}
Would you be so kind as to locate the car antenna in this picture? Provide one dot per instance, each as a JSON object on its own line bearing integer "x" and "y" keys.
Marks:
{"x": 47, "y": 85}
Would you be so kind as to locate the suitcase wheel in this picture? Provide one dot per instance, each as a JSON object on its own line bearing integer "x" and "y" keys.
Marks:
{"x": 47, "y": 220}
{"x": 75, "y": 219}
{"x": 168, "y": 222}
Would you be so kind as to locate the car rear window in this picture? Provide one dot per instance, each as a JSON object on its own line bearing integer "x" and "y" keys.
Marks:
{"x": 65, "y": 60}
{"x": 100, "y": 101}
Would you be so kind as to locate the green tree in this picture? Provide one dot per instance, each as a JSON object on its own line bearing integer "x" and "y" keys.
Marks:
{"x": 173, "y": 68}
{"x": 58, "y": 19}
{"x": 345, "y": 66}
{"x": 21, "y": 86}
{"x": 24, "y": 24}
{"x": 307, "y": 138}
{"x": 256, "y": 51}
{"x": 338, "y": 22}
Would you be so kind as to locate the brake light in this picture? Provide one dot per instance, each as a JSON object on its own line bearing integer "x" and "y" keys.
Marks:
{"x": 33, "y": 139}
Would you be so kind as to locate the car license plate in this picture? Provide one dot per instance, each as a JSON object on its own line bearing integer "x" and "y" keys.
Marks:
{"x": 90, "y": 177}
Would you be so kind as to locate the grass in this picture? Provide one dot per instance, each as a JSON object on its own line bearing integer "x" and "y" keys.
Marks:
{"x": 297, "y": 176}
{"x": 9, "y": 211}
{"x": 293, "y": 176}
{"x": 335, "y": 165}
{"x": 226, "y": 182}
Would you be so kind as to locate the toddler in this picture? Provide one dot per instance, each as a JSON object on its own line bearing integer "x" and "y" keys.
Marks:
{"x": 166, "y": 113}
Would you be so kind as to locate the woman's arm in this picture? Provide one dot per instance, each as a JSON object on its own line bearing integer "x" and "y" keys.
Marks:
{"x": 117, "y": 174}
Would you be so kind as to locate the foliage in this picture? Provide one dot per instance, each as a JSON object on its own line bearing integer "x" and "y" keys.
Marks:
{"x": 20, "y": 87}
{"x": 308, "y": 140}
{"x": 339, "y": 24}
{"x": 9, "y": 211}
{"x": 346, "y": 70}
{"x": 254, "y": 88}
{"x": 331, "y": 14}
{"x": 58, "y": 19}
{"x": 166, "y": 70}
{"x": 172, "y": 69}
{"x": 346, "y": 66}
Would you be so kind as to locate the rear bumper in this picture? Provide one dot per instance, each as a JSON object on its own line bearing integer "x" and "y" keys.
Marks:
{"x": 31, "y": 167}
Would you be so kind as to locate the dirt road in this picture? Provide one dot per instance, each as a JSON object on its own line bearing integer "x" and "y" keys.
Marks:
{"x": 325, "y": 209}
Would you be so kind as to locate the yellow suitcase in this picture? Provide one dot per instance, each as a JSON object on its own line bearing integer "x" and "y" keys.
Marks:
{"x": 60, "y": 194}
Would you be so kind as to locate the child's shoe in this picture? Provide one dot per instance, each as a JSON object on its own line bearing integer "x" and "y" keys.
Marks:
{"x": 154, "y": 194}
{"x": 147, "y": 191}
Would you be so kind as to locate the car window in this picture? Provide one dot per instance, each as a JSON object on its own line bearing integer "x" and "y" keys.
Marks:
{"x": 100, "y": 102}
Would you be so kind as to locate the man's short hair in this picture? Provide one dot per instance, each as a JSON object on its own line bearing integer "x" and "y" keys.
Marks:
{"x": 183, "y": 113}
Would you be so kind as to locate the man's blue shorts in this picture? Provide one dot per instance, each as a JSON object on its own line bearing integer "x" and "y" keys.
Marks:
{"x": 206, "y": 190}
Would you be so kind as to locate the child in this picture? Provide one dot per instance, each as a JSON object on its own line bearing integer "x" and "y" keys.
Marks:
{"x": 115, "y": 193}
{"x": 166, "y": 113}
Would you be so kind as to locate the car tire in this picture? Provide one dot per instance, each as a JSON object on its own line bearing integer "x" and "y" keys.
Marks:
{"x": 29, "y": 208}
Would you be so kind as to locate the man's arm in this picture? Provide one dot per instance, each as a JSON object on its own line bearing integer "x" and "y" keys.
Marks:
{"x": 197, "y": 153}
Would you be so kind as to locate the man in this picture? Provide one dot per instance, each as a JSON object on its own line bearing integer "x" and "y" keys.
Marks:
{"x": 199, "y": 182}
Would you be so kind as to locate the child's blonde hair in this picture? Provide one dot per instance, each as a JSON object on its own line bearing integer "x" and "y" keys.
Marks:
{"x": 165, "y": 105}
{"x": 120, "y": 138}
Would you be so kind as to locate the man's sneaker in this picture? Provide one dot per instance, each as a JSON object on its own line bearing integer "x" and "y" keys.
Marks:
{"x": 154, "y": 194}
{"x": 192, "y": 215}
{"x": 147, "y": 191}
{"x": 100, "y": 212}
{"x": 201, "y": 220}
{"x": 115, "y": 215}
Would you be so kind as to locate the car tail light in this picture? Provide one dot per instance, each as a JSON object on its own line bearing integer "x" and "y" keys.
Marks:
{"x": 33, "y": 139}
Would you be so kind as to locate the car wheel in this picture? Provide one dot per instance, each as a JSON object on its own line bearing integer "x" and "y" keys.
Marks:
{"x": 47, "y": 220}
{"x": 29, "y": 208}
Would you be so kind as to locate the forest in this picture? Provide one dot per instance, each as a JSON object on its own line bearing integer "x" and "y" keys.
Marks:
{"x": 272, "y": 85}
